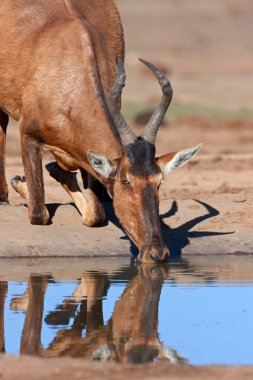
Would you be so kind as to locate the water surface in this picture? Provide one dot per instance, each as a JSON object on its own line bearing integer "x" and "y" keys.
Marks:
{"x": 197, "y": 310}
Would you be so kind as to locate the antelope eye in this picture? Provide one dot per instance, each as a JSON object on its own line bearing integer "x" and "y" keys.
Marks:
{"x": 124, "y": 181}
{"x": 159, "y": 184}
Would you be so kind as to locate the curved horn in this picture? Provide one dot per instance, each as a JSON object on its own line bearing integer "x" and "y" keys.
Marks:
{"x": 126, "y": 134}
{"x": 150, "y": 131}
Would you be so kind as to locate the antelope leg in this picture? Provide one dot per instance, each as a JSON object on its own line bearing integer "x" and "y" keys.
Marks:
{"x": 89, "y": 206}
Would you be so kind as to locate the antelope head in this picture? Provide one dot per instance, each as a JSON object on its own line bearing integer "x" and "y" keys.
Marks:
{"x": 133, "y": 181}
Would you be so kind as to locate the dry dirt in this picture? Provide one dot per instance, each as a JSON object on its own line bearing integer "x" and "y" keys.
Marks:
{"x": 206, "y": 49}
{"x": 33, "y": 368}
{"x": 220, "y": 176}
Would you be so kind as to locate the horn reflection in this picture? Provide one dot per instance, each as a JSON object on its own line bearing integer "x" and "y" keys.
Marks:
{"x": 130, "y": 335}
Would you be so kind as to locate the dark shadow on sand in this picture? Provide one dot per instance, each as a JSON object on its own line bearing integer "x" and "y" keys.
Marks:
{"x": 175, "y": 238}
{"x": 179, "y": 237}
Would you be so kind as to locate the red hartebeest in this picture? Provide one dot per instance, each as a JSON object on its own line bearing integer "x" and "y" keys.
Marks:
{"x": 58, "y": 78}
{"x": 130, "y": 335}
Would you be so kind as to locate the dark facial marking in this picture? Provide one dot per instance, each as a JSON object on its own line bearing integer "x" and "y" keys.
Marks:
{"x": 141, "y": 156}
{"x": 150, "y": 209}
{"x": 1, "y": 168}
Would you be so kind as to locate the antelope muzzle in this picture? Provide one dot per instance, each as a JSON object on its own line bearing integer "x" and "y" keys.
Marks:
{"x": 152, "y": 253}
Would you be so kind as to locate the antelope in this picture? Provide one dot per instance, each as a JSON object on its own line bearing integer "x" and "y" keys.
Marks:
{"x": 129, "y": 336}
{"x": 3, "y": 293}
{"x": 61, "y": 77}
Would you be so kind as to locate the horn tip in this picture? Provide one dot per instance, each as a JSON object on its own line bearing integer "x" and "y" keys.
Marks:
{"x": 154, "y": 69}
{"x": 147, "y": 63}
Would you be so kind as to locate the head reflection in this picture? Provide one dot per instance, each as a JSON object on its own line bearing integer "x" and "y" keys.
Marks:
{"x": 130, "y": 335}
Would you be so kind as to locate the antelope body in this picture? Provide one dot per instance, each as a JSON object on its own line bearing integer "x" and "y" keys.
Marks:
{"x": 130, "y": 335}
{"x": 61, "y": 77}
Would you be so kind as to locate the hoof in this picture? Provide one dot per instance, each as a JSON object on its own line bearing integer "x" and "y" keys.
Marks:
{"x": 15, "y": 181}
{"x": 4, "y": 194}
{"x": 4, "y": 200}
{"x": 5, "y": 203}
{"x": 95, "y": 222}
{"x": 19, "y": 185}
{"x": 39, "y": 219}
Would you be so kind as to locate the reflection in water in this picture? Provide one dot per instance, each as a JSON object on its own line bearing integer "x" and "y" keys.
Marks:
{"x": 31, "y": 335}
{"x": 3, "y": 291}
{"x": 200, "y": 305}
{"x": 130, "y": 335}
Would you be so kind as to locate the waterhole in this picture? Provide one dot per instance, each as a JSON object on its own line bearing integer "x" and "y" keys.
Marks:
{"x": 197, "y": 310}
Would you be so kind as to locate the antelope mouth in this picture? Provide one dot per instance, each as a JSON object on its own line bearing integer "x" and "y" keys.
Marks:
{"x": 151, "y": 254}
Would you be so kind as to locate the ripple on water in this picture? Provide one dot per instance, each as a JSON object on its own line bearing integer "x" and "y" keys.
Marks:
{"x": 196, "y": 310}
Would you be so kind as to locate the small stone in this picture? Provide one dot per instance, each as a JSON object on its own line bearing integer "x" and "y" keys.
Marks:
{"x": 239, "y": 198}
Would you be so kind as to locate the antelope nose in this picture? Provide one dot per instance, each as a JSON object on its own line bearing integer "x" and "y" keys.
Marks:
{"x": 159, "y": 259}
{"x": 153, "y": 254}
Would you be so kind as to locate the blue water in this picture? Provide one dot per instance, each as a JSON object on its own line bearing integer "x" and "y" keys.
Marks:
{"x": 205, "y": 318}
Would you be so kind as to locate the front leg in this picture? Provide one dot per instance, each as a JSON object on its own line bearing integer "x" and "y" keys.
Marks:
{"x": 31, "y": 334}
{"x": 32, "y": 161}
{"x": 88, "y": 204}
{"x": 3, "y": 293}
{"x": 3, "y": 184}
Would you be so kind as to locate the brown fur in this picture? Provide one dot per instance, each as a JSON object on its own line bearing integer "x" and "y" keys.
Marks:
{"x": 3, "y": 292}
{"x": 3, "y": 185}
{"x": 58, "y": 64}
{"x": 30, "y": 341}
{"x": 130, "y": 335}
{"x": 125, "y": 333}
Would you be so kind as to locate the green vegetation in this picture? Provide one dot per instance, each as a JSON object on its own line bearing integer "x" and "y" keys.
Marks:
{"x": 178, "y": 111}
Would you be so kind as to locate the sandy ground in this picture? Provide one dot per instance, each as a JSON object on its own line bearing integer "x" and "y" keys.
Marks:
{"x": 206, "y": 49}
{"x": 206, "y": 206}
{"x": 33, "y": 368}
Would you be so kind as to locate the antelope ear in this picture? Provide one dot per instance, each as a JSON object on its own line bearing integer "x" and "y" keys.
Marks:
{"x": 102, "y": 165}
{"x": 172, "y": 161}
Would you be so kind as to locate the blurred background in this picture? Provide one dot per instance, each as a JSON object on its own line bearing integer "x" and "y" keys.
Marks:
{"x": 205, "y": 48}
